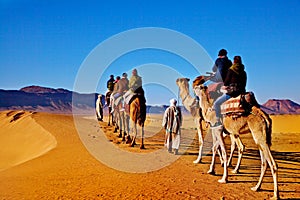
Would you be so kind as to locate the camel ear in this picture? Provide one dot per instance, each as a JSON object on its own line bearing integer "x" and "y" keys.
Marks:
{"x": 187, "y": 79}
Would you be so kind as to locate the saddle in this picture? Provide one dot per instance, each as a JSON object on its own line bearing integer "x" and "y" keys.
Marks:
{"x": 240, "y": 105}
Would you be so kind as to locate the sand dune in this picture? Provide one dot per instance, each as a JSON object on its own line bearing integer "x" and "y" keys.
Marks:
{"x": 22, "y": 139}
{"x": 68, "y": 171}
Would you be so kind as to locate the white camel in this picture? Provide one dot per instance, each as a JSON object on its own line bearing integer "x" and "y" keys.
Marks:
{"x": 256, "y": 122}
{"x": 121, "y": 118}
{"x": 192, "y": 105}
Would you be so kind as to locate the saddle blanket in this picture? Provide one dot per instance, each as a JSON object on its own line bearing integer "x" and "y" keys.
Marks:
{"x": 232, "y": 105}
{"x": 128, "y": 96}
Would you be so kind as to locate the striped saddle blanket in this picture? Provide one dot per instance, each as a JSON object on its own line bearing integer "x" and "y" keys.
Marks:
{"x": 232, "y": 106}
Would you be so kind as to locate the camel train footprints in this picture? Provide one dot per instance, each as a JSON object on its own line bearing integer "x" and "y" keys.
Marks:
{"x": 256, "y": 122}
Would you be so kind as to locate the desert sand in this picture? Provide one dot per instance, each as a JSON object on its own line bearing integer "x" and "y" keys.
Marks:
{"x": 43, "y": 157}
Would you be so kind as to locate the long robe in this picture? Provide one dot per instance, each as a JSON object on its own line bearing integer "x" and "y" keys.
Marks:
{"x": 172, "y": 121}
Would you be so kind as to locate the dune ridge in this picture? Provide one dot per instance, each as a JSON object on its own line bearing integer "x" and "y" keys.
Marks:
{"x": 22, "y": 138}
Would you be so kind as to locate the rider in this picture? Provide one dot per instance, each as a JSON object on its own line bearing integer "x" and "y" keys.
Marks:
{"x": 135, "y": 84}
{"x": 221, "y": 66}
{"x": 234, "y": 85}
{"x": 123, "y": 84}
{"x": 110, "y": 83}
{"x": 114, "y": 95}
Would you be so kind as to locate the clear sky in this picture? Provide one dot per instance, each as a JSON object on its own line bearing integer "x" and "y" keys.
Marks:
{"x": 45, "y": 42}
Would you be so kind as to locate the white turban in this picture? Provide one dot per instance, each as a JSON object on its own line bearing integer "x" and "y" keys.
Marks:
{"x": 173, "y": 102}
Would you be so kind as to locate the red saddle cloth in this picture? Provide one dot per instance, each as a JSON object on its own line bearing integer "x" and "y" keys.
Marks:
{"x": 232, "y": 106}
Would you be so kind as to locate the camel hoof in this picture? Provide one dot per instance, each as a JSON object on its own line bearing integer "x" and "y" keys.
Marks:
{"x": 142, "y": 147}
{"x": 235, "y": 171}
{"x": 222, "y": 181}
{"x": 255, "y": 189}
{"x": 211, "y": 172}
{"x": 197, "y": 161}
{"x": 123, "y": 139}
{"x": 120, "y": 135}
{"x": 128, "y": 139}
{"x": 274, "y": 198}
{"x": 131, "y": 145}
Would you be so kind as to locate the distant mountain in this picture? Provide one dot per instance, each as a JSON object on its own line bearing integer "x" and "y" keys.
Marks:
{"x": 36, "y": 98}
{"x": 39, "y": 89}
{"x": 281, "y": 106}
{"x": 43, "y": 99}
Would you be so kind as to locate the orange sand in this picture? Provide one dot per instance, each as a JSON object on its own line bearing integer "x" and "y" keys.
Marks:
{"x": 44, "y": 169}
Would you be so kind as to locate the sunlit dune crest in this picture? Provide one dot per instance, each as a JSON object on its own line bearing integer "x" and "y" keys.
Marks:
{"x": 22, "y": 139}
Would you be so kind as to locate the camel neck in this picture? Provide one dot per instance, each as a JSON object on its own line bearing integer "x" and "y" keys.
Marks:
{"x": 204, "y": 104}
{"x": 188, "y": 101}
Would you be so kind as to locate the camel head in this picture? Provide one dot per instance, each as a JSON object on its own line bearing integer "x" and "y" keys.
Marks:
{"x": 183, "y": 83}
{"x": 201, "y": 91}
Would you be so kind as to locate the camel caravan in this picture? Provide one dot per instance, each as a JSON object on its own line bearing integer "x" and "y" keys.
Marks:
{"x": 221, "y": 104}
{"x": 126, "y": 106}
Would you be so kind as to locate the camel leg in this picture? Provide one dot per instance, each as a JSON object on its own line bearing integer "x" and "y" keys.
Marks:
{"x": 224, "y": 156}
{"x": 236, "y": 141}
{"x": 214, "y": 151}
{"x": 142, "y": 144}
{"x": 128, "y": 139}
{"x": 212, "y": 165}
{"x": 232, "y": 148}
{"x": 109, "y": 116}
{"x": 134, "y": 130}
{"x": 200, "y": 131}
{"x": 220, "y": 155}
{"x": 240, "y": 147}
{"x": 273, "y": 166}
{"x": 120, "y": 125}
{"x": 263, "y": 171}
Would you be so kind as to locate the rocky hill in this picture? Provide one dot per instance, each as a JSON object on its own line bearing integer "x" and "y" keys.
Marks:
{"x": 36, "y": 98}
{"x": 281, "y": 106}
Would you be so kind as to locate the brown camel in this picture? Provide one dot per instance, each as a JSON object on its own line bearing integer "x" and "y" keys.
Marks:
{"x": 256, "y": 122}
{"x": 137, "y": 116}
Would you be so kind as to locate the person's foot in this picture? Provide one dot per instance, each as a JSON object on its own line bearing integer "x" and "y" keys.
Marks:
{"x": 176, "y": 152}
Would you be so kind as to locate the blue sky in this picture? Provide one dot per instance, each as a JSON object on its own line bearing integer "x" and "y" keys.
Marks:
{"x": 46, "y": 42}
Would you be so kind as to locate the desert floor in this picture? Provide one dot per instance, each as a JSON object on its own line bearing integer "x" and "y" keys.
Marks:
{"x": 44, "y": 156}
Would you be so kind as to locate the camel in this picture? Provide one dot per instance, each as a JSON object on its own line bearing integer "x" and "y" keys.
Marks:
{"x": 256, "y": 122}
{"x": 192, "y": 105}
{"x": 137, "y": 116}
{"x": 121, "y": 120}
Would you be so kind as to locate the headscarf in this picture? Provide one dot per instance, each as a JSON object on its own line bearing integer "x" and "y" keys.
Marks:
{"x": 173, "y": 102}
{"x": 237, "y": 68}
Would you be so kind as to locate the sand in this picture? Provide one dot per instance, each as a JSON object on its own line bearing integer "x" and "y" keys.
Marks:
{"x": 42, "y": 157}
